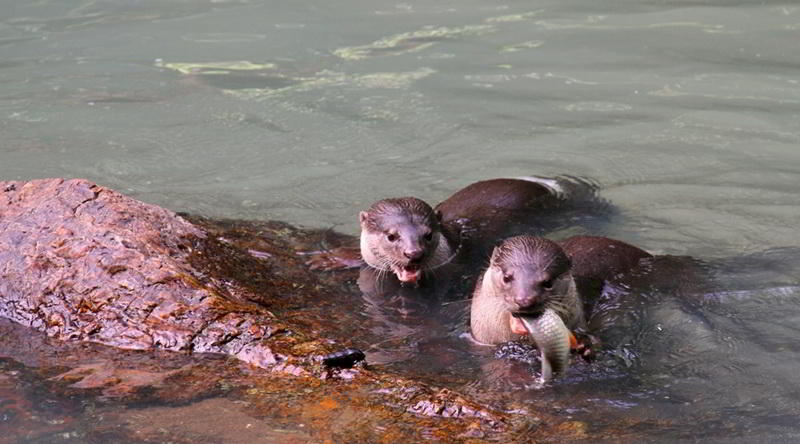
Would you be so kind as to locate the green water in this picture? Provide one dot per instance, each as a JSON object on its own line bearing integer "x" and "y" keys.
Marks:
{"x": 686, "y": 113}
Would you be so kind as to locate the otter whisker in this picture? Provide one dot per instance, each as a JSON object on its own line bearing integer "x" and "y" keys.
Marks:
{"x": 456, "y": 301}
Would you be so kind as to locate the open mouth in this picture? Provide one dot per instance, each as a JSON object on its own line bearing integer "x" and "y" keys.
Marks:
{"x": 409, "y": 273}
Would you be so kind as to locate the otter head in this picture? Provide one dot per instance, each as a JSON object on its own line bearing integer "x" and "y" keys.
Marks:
{"x": 400, "y": 235}
{"x": 531, "y": 274}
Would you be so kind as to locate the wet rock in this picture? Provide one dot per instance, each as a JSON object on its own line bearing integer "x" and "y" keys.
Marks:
{"x": 473, "y": 431}
{"x": 83, "y": 262}
{"x": 446, "y": 404}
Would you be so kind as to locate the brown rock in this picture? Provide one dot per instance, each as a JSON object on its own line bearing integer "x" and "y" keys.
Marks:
{"x": 80, "y": 261}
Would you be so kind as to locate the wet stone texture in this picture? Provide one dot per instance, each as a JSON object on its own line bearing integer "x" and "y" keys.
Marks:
{"x": 82, "y": 262}
{"x": 146, "y": 319}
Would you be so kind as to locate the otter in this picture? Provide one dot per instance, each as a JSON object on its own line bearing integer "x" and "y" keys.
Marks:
{"x": 405, "y": 236}
{"x": 529, "y": 277}
{"x": 527, "y": 274}
{"x": 409, "y": 239}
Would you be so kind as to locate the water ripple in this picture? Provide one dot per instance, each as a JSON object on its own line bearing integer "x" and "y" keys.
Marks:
{"x": 223, "y": 37}
{"x": 409, "y": 41}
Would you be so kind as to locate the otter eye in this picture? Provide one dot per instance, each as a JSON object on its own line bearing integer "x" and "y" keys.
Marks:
{"x": 392, "y": 237}
{"x": 548, "y": 284}
{"x": 507, "y": 278}
{"x": 429, "y": 236}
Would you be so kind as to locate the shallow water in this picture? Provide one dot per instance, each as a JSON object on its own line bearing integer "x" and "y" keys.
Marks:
{"x": 685, "y": 113}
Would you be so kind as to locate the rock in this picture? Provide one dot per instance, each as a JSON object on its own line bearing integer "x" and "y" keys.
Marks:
{"x": 83, "y": 262}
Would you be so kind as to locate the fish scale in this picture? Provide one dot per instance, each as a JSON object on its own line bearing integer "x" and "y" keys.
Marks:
{"x": 552, "y": 340}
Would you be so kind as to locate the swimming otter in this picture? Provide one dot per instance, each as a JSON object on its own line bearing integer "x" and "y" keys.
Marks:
{"x": 529, "y": 277}
{"x": 405, "y": 236}
{"x": 525, "y": 275}
{"x": 408, "y": 238}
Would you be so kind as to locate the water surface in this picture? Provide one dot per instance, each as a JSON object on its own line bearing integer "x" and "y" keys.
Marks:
{"x": 685, "y": 113}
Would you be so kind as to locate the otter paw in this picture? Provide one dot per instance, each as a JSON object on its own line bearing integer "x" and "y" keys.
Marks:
{"x": 585, "y": 345}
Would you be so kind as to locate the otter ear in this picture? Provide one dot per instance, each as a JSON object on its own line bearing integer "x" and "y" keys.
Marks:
{"x": 495, "y": 255}
{"x": 363, "y": 217}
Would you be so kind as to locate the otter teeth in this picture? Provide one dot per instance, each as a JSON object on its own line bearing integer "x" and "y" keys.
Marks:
{"x": 409, "y": 273}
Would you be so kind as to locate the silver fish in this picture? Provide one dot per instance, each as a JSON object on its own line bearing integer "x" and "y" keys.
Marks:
{"x": 552, "y": 340}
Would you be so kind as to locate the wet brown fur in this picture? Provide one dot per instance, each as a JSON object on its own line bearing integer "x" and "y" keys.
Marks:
{"x": 415, "y": 210}
{"x": 537, "y": 252}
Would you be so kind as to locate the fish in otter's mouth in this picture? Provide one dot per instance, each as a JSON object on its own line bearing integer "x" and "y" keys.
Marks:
{"x": 516, "y": 323}
{"x": 551, "y": 336}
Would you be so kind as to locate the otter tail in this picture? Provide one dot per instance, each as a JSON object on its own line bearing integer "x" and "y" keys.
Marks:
{"x": 568, "y": 188}
{"x": 579, "y": 203}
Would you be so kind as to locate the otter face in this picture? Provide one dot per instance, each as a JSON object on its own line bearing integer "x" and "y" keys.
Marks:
{"x": 399, "y": 235}
{"x": 532, "y": 273}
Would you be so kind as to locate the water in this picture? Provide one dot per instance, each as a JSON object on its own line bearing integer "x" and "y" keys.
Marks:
{"x": 686, "y": 113}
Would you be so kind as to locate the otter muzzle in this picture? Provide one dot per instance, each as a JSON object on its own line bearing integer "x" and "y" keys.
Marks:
{"x": 410, "y": 273}
{"x": 552, "y": 339}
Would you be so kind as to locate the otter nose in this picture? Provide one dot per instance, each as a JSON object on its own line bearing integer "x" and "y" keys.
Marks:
{"x": 413, "y": 253}
{"x": 525, "y": 299}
